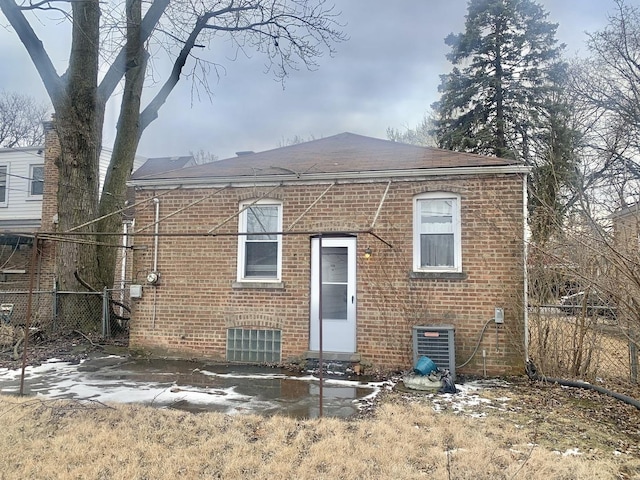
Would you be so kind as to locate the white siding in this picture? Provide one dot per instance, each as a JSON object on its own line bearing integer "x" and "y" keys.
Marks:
{"x": 105, "y": 158}
{"x": 21, "y": 209}
{"x": 20, "y": 206}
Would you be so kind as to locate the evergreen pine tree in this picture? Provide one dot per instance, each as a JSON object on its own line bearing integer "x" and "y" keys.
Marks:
{"x": 506, "y": 97}
{"x": 492, "y": 101}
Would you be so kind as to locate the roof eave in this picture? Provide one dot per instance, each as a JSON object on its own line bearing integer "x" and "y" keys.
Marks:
{"x": 243, "y": 180}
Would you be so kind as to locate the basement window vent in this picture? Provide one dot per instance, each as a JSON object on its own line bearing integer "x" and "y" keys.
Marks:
{"x": 256, "y": 346}
{"x": 437, "y": 343}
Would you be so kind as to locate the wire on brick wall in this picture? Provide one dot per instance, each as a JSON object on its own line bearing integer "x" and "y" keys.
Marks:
{"x": 475, "y": 350}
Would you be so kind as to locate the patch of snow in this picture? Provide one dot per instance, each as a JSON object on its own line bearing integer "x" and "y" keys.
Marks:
{"x": 503, "y": 399}
{"x": 570, "y": 452}
{"x": 478, "y": 415}
{"x": 110, "y": 379}
{"x": 468, "y": 400}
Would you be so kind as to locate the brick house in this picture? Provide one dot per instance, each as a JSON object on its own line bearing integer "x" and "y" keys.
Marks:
{"x": 29, "y": 205}
{"x": 228, "y": 255}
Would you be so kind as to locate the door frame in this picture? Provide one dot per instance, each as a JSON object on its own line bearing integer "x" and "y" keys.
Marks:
{"x": 338, "y": 335}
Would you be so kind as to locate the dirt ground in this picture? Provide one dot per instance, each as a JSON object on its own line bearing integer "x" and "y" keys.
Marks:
{"x": 563, "y": 418}
{"x": 559, "y": 418}
{"x": 72, "y": 347}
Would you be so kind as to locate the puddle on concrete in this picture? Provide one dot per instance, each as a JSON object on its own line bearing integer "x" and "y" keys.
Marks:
{"x": 193, "y": 386}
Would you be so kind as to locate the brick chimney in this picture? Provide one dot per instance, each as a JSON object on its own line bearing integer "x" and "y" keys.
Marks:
{"x": 48, "y": 222}
{"x": 50, "y": 193}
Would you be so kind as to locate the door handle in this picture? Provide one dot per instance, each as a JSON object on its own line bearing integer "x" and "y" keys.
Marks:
{"x": 353, "y": 298}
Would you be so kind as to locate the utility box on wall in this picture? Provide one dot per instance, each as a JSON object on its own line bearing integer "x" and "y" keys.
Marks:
{"x": 437, "y": 343}
{"x": 135, "y": 291}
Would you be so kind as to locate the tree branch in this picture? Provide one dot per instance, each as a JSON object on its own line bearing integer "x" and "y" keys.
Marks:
{"x": 52, "y": 81}
{"x": 118, "y": 67}
{"x": 283, "y": 32}
{"x": 41, "y": 6}
{"x": 150, "y": 113}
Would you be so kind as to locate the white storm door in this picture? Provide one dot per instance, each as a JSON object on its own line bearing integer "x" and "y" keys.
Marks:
{"x": 338, "y": 295}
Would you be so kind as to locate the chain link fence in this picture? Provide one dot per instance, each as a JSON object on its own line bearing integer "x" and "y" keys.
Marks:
{"x": 103, "y": 313}
{"x": 583, "y": 345}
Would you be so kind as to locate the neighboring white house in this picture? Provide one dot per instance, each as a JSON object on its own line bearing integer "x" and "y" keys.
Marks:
{"x": 22, "y": 185}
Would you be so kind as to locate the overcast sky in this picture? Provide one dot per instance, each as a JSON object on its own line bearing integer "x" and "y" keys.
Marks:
{"x": 385, "y": 75}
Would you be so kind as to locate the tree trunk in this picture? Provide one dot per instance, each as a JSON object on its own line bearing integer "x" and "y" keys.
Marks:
{"x": 500, "y": 149}
{"x": 275, "y": 28}
{"x": 79, "y": 120}
{"x": 114, "y": 191}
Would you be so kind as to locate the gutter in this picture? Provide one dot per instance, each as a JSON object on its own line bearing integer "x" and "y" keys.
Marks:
{"x": 249, "y": 181}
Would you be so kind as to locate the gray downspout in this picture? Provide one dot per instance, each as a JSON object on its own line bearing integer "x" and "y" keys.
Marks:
{"x": 156, "y": 203}
{"x": 525, "y": 303}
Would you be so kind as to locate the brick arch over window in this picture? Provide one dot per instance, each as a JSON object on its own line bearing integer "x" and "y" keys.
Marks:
{"x": 437, "y": 245}
{"x": 253, "y": 320}
{"x": 255, "y": 194}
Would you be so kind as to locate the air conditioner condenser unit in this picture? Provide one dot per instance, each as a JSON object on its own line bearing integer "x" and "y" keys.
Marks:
{"x": 437, "y": 343}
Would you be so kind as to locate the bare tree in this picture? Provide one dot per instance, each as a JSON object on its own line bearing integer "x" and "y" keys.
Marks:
{"x": 422, "y": 134}
{"x": 295, "y": 140}
{"x": 201, "y": 157}
{"x": 593, "y": 252}
{"x": 105, "y": 37}
{"x": 21, "y": 120}
{"x": 607, "y": 89}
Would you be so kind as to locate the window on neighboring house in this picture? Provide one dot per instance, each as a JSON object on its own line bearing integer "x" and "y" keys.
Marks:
{"x": 4, "y": 170}
{"x": 260, "y": 251}
{"x": 36, "y": 180}
{"x": 436, "y": 237}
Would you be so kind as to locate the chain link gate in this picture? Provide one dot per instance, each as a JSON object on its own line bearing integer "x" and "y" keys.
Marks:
{"x": 93, "y": 313}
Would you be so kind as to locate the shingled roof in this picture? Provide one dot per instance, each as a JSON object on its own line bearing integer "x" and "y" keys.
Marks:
{"x": 339, "y": 154}
{"x": 164, "y": 165}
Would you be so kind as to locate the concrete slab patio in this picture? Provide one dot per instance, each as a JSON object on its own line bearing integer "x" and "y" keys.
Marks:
{"x": 192, "y": 386}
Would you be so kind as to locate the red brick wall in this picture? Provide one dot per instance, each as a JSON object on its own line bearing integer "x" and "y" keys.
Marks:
{"x": 188, "y": 313}
{"x": 15, "y": 257}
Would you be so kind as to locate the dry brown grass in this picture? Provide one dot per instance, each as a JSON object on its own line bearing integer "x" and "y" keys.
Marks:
{"x": 403, "y": 439}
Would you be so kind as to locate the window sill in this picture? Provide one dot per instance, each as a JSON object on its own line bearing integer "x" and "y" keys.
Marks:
{"x": 438, "y": 275}
{"x": 258, "y": 285}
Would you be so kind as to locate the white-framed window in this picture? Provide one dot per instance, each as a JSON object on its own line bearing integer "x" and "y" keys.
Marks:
{"x": 436, "y": 233}
{"x": 259, "y": 249}
{"x": 36, "y": 180}
{"x": 4, "y": 185}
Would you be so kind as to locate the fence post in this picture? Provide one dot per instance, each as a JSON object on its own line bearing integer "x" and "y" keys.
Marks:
{"x": 54, "y": 309}
{"x": 633, "y": 356}
{"x": 106, "y": 325}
